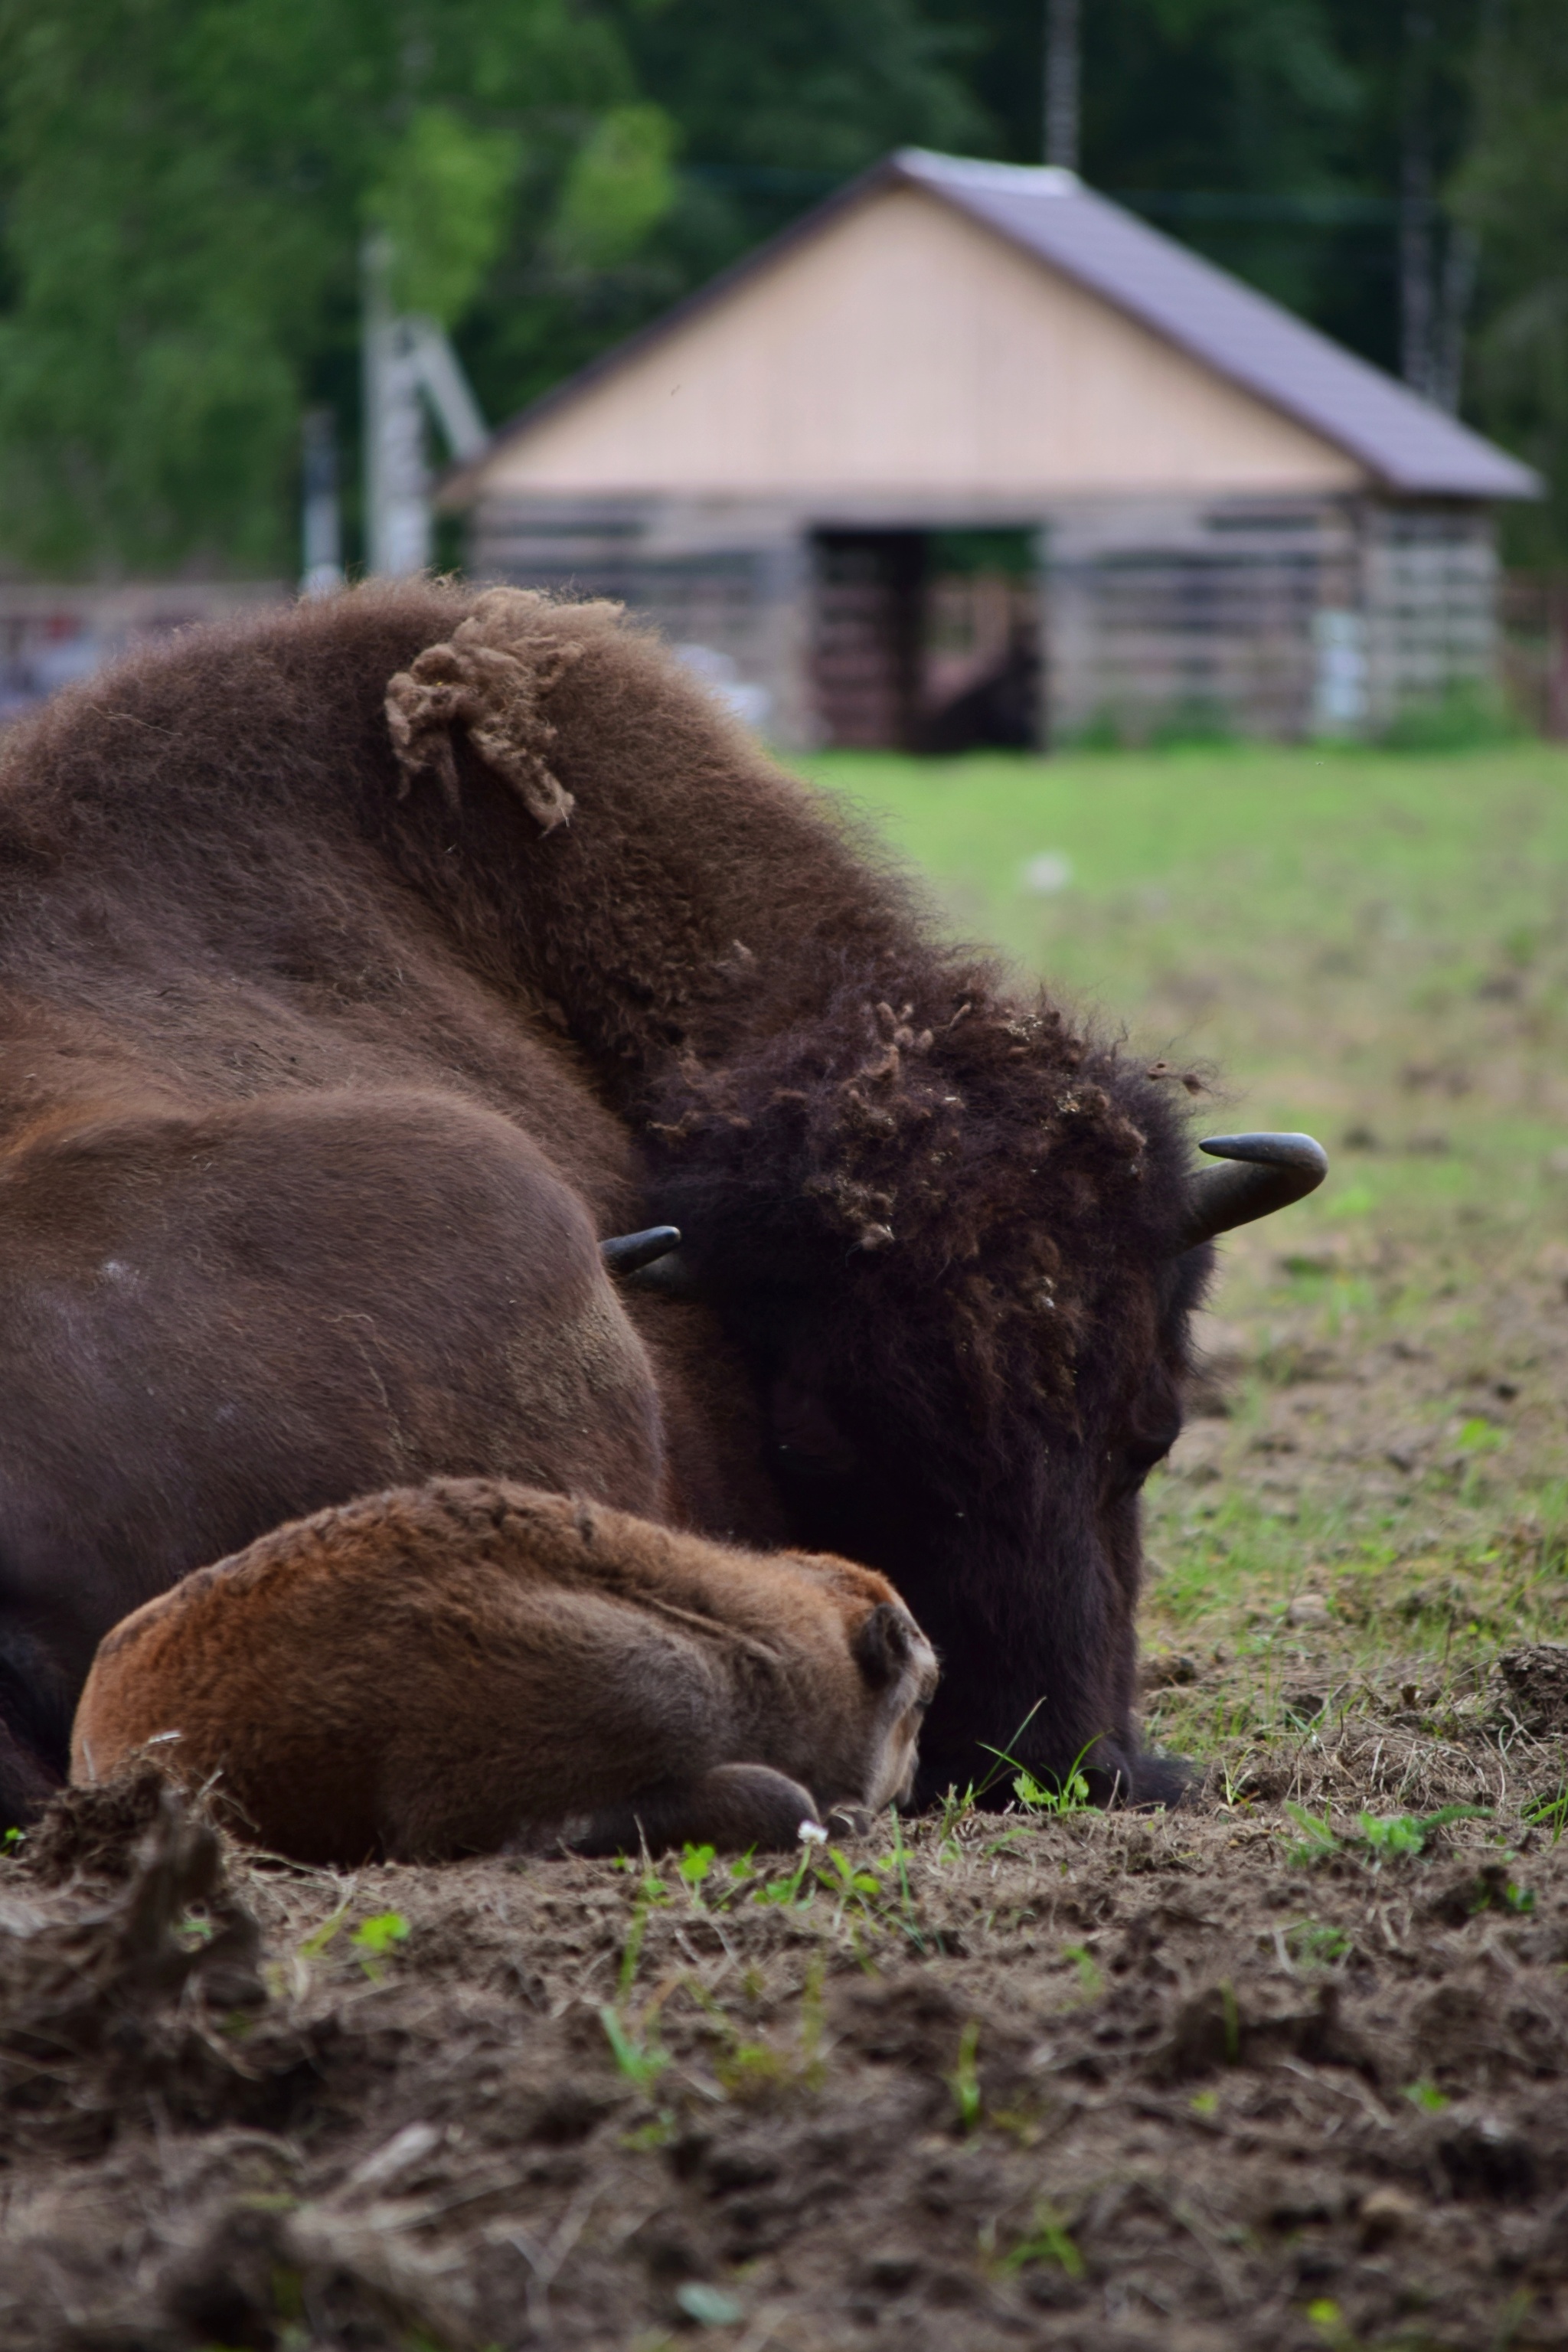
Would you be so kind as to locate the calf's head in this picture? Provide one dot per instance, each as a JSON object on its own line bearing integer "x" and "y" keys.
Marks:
{"x": 899, "y": 1667}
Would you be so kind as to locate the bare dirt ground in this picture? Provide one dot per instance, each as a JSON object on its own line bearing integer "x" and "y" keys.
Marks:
{"x": 1288, "y": 2068}
{"x": 1222, "y": 2078}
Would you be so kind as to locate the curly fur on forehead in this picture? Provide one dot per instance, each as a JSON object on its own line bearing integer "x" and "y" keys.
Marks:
{"x": 979, "y": 1151}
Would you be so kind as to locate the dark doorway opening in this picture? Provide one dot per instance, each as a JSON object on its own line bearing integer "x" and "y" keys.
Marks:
{"x": 926, "y": 641}
{"x": 866, "y": 638}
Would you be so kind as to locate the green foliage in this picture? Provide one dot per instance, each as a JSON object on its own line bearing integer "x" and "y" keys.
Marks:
{"x": 443, "y": 199}
{"x": 1513, "y": 188}
{"x": 1466, "y": 718}
{"x": 618, "y": 187}
{"x": 186, "y": 182}
{"x": 1550, "y": 1813}
{"x": 1384, "y": 1838}
{"x": 1400, "y": 1835}
{"x": 1072, "y": 1797}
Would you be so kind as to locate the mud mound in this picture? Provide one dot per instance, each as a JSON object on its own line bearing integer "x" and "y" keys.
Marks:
{"x": 1229, "y": 2079}
{"x": 1530, "y": 1687}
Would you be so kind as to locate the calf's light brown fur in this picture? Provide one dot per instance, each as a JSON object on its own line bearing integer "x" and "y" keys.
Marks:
{"x": 474, "y": 1666}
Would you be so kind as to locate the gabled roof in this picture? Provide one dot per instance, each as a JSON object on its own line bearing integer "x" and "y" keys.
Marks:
{"x": 1406, "y": 442}
{"x": 1410, "y": 444}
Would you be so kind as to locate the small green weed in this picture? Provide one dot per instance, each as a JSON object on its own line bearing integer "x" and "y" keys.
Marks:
{"x": 316, "y": 1942}
{"x": 964, "y": 2080}
{"x": 376, "y": 1935}
{"x": 1049, "y": 2241}
{"x": 696, "y": 1865}
{"x": 901, "y": 1859}
{"x": 1402, "y": 1833}
{"x": 748, "y": 2068}
{"x": 1425, "y": 2096}
{"x": 11, "y": 1839}
{"x": 1407, "y": 1834}
{"x": 1090, "y": 1977}
{"x": 1318, "y": 1838}
{"x": 642, "y": 2061}
{"x": 956, "y": 1809}
{"x": 792, "y": 1889}
{"x": 1550, "y": 1813}
{"x": 1332, "y": 2326}
{"x": 1072, "y": 1797}
{"x": 652, "y": 1891}
{"x": 1313, "y": 1944}
{"x": 658, "y": 2132}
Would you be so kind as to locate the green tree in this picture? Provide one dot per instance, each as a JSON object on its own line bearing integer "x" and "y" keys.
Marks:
{"x": 186, "y": 183}
{"x": 1514, "y": 189}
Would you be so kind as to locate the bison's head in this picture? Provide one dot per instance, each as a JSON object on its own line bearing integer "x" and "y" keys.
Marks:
{"x": 960, "y": 1246}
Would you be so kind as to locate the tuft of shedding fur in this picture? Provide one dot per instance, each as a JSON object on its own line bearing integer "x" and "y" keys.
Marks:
{"x": 489, "y": 681}
{"x": 316, "y": 1090}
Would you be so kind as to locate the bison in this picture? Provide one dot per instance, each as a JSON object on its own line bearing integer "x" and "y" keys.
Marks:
{"x": 364, "y": 969}
{"x": 470, "y": 1666}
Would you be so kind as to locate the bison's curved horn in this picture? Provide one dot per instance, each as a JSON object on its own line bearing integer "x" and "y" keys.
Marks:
{"x": 629, "y": 1253}
{"x": 1275, "y": 1169}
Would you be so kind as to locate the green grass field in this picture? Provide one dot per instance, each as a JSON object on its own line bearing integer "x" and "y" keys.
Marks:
{"x": 1374, "y": 946}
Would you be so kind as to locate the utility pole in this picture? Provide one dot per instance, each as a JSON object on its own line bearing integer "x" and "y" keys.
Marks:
{"x": 1061, "y": 83}
{"x": 1458, "y": 291}
{"x": 396, "y": 479}
{"x": 409, "y": 366}
{"x": 321, "y": 536}
{"x": 1417, "y": 223}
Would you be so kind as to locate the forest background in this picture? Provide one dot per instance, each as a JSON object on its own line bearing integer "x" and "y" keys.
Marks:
{"x": 185, "y": 186}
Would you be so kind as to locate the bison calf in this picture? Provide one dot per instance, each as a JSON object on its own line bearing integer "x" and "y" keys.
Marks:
{"x": 473, "y": 1665}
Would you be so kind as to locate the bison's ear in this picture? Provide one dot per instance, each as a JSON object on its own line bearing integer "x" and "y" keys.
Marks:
{"x": 884, "y": 1644}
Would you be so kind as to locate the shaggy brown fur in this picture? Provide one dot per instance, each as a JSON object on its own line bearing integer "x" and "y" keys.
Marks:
{"x": 358, "y": 968}
{"x": 470, "y": 1665}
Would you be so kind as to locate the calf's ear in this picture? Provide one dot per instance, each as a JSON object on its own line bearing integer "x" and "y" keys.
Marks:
{"x": 882, "y": 1645}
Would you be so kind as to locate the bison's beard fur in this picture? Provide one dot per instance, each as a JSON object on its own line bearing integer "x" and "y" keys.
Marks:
{"x": 939, "y": 1221}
